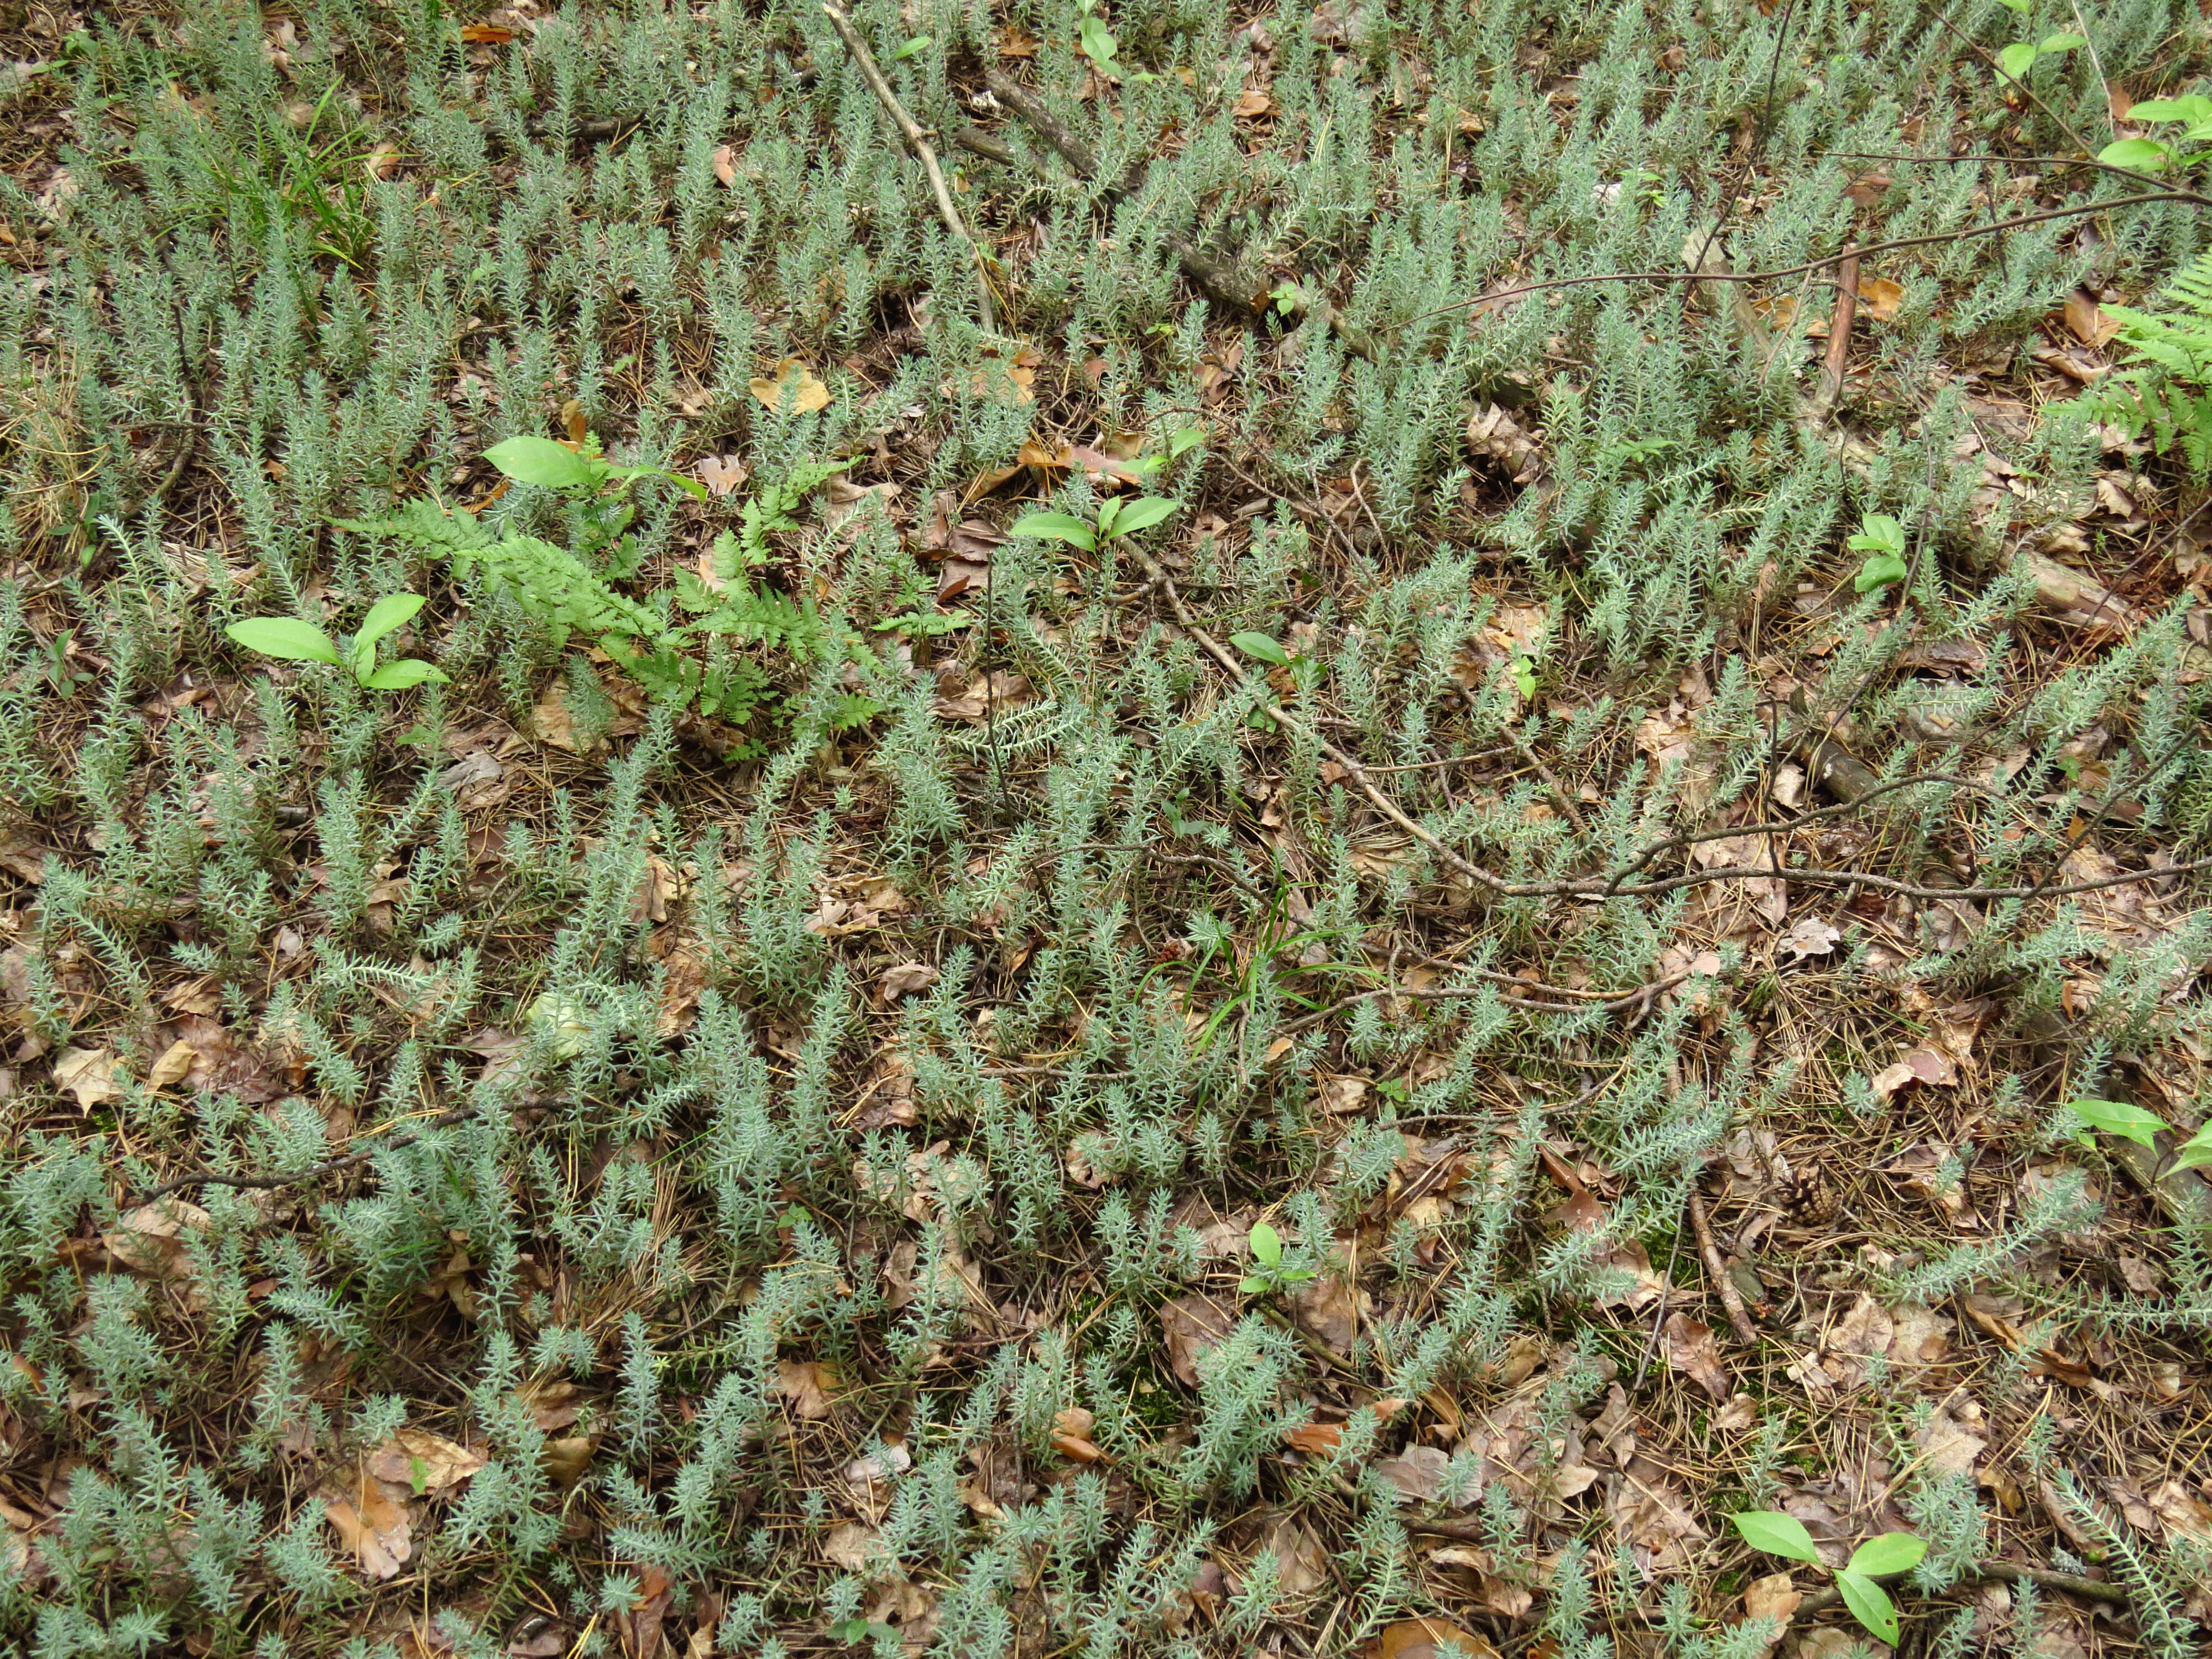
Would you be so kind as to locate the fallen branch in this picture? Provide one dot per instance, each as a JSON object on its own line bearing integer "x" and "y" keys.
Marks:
{"x": 918, "y": 141}
{"x": 1603, "y": 887}
{"x": 1709, "y": 275}
{"x": 314, "y": 1172}
{"x": 1220, "y": 283}
{"x": 1731, "y": 1298}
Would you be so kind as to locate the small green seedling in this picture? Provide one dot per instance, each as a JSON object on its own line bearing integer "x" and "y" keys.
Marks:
{"x": 1882, "y": 538}
{"x": 294, "y": 640}
{"x": 1260, "y": 648}
{"x": 920, "y": 43}
{"x": 2116, "y": 1117}
{"x": 1891, "y": 1553}
{"x": 597, "y": 489}
{"x": 2184, "y": 149}
{"x": 1118, "y": 516}
{"x": 1272, "y": 1276}
{"x": 556, "y": 466}
{"x": 2015, "y": 60}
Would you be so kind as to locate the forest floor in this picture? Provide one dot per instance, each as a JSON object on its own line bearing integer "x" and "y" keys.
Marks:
{"x": 1192, "y": 899}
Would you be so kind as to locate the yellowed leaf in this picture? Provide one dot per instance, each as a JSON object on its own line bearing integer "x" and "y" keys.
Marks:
{"x": 89, "y": 1074}
{"x": 1879, "y": 298}
{"x": 423, "y": 1463}
{"x": 173, "y": 1067}
{"x": 794, "y": 380}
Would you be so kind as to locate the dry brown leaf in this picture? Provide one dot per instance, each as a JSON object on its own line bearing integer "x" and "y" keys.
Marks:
{"x": 810, "y": 1385}
{"x": 904, "y": 981}
{"x": 2088, "y": 321}
{"x": 1926, "y": 1067}
{"x": 725, "y": 164}
{"x": 1017, "y": 42}
{"x": 175, "y": 1065}
{"x": 486, "y": 34}
{"x": 721, "y": 474}
{"x": 1947, "y": 1446}
{"x": 1426, "y": 1638}
{"x": 795, "y": 380}
{"x": 1415, "y": 1472}
{"x": 551, "y": 1403}
{"x": 1316, "y": 1439}
{"x": 374, "y": 1526}
{"x": 1809, "y": 936}
{"x": 423, "y": 1463}
{"x": 149, "y": 1239}
{"x": 1879, "y": 298}
{"x": 1191, "y": 1326}
{"x": 2182, "y": 1510}
{"x": 88, "y": 1073}
{"x": 852, "y": 1543}
{"x": 1252, "y": 103}
{"x": 1302, "y": 1563}
{"x": 1651, "y": 1516}
{"x": 1772, "y": 1597}
{"x": 1689, "y": 1349}
{"x": 566, "y": 1460}
{"x": 1342, "y": 1095}
{"x": 1330, "y": 1307}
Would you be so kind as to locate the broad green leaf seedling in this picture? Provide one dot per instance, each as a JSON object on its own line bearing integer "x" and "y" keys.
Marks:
{"x": 1118, "y": 516}
{"x": 294, "y": 640}
{"x": 2184, "y": 149}
{"x": 2118, "y": 1117}
{"x": 1270, "y": 1276}
{"x": 1891, "y": 1553}
{"x": 1882, "y": 538}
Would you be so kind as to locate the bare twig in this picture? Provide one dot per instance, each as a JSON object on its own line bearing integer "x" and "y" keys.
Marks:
{"x": 1218, "y": 282}
{"x": 1731, "y": 1298}
{"x": 1708, "y": 274}
{"x": 1599, "y": 886}
{"x": 1839, "y": 338}
{"x": 314, "y": 1172}
{"x": 918, "y": 141}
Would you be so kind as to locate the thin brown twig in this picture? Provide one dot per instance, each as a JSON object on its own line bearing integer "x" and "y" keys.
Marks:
{"x": 1612, "y": 888}
{"x": 918, "y": 141}
{"x": 1709, "y": 275}
{"x": 315, "y": 1172}
{"x": 1731, "y": 1298}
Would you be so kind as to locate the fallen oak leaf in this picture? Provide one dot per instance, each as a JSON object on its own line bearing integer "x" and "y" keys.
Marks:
{"x": 794, "y": 380}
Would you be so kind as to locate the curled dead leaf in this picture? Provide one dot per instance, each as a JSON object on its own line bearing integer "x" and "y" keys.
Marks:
{"x": 793, "y": 381}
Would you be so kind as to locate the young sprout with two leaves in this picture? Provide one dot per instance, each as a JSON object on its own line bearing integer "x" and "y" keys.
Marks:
{"x": 294, "y": 640}
{"x": 1269, "y": 1276}
{"x": 2015, "y": 61}
{"x": 1118, "y": 516}
{"x": 1882, "y": 538}
{"x": 597, "y": 489}
{"x": 2187, "y": 149}
{"x": 2118, "y": 1117}
{"x": 1878, "y": 1558}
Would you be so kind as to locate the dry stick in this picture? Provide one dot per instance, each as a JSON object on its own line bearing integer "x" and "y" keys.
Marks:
{"x": 1218, "y": 283}
{"x": 316, "y": 1172}
{"x": 1289, "y": 722}
{"x": 2128, "y": 173}
{"x": 1599, "y": 887}
{"x": 1839, "y": 336}
{"x": 919, "y": 143}
{"x": 1822, "y": 264}
{"x": 1746, "y": 1332}
{"x": 2011, "y": 1572}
